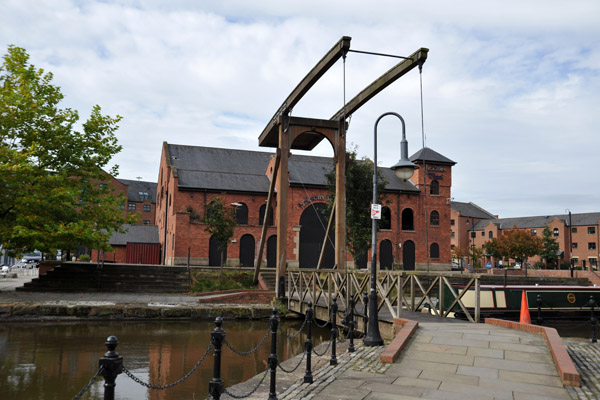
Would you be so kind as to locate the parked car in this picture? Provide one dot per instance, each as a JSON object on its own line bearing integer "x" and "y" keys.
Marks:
{"x": 5, "y": 269}
{"x": 35, "y": 256}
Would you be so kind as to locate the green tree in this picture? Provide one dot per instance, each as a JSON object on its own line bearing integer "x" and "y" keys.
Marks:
{"x": 359, "y": 196}
{"x": 516, "y": 244}
{"x": 51, "y": 170}
{"x": 220, "y": 222}
{"x": 550, "y": 248}
{"x": 475, "y": 254}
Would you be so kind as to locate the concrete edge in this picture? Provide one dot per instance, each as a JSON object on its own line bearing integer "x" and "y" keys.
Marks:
{"x": 404, "y": 329}
{"x": 564, "y": 364}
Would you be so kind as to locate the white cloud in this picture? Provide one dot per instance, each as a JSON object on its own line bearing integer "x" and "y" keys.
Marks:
{"x": 510, "y": 90}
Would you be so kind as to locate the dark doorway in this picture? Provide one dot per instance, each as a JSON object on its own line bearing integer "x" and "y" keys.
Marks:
{"x": 214, "y": 254}
{"x": 313, "y": 224}
{"x": 272, "y": 251}
{"x": 408, "y": 255}
{"x": 247, "y": 251}
{"x": 361, "y": 260}
{"x": 386, "y": 258}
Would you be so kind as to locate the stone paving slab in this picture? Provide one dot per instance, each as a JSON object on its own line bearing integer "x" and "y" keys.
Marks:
{"x": 586, "y": 357}
{"x": 360, "y": 375}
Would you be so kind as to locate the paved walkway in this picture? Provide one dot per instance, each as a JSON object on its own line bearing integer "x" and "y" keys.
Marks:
{"x": 586, "y": 356}
{"x": 444, "y": 361}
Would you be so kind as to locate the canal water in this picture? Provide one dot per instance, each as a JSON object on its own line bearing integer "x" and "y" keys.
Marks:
{"x": 54, "y": 361}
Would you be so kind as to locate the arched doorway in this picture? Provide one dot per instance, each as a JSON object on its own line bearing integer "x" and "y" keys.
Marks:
{"x": 361, "y": 261}
{"x": 214, "y": 254}
{"x": 386, "y": 258}
{"x": 247, "y": 251}
{"x": 272, "y": 251}
{"x": 312, "y": 232}
{"x": 408, "y": 255}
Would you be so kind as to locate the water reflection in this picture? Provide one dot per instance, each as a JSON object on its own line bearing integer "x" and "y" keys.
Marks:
{"x": 55, "y": 360}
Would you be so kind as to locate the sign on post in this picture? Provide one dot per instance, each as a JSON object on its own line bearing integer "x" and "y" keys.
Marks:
{"x": 375, "y": 211}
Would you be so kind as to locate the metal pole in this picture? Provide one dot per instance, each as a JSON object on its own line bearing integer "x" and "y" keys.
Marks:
{"x": 351, "y": 324}
{"x": 216, "y": 386}
{"x": 592, "y": 303}
{"x": 365, "y": 315}
{"x": 539, "y": 313}
{"x": 334, "y": 330}
{"x": 373, "y": 336}
{"x": 112, "y": 365}
{"x": 308, "y": 345}
{"x": 273, "y": 357}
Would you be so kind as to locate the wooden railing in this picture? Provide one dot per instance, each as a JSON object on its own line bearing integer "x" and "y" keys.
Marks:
{"x": 396, "y": 290}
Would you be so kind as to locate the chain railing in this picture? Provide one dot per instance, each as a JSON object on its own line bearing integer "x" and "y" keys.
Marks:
{"x": 111, "y": 364}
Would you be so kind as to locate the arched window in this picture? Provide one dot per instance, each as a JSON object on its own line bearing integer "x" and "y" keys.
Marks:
{"x": 386, "y": 218}
{"x": 408, "y": 222}
{"x": 434, "y": 218}
{"x": 241, "y": 213}
{"x": 434, "y": 250}
{"x": 434, "y": 187}
{"x": 490, "y": 234}
{"x": 555, "y": 232}
{"x": 261, "y": 215}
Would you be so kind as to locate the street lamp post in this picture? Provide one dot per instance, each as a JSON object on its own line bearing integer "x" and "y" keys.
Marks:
{"x": 404, "y": 169}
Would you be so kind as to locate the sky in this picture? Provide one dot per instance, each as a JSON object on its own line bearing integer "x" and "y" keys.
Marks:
{"x": 511, "y": 90}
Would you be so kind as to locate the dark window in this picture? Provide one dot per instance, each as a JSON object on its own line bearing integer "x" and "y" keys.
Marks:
{"x": 261, "y": 215}
{"x": 122, "y": 206}
{"x": 592, "y": 246}
{"x": 131, "y": 206}
{"x": 473, "y": 234}
{"x": 451, "y": 222}
{"x": 241, "y": 213}
{"x": 434, "y": 250}
{"x": 146, "y": 222}
{"x": 574, "y": 245}
{"x": 434, "y": 187}
{"x": 386, "y": 218}
{"x": 144, "y": 196}
{"x": 452, "y": 234}
{"x": 573, "y": 230}
{"x": 555, "y": 232}
{"x": 490, "y": 234}
{"x": 483, "y": 233}
{"x": 434, "y": 218}
{"x": 593, "y": 261}
{"x": 147, "y": 207}
{"x": 534, "y": 231}
{"x": 102, "y": 185}
{"x": 408, "y": 223}
{"x": 591, "y": 230}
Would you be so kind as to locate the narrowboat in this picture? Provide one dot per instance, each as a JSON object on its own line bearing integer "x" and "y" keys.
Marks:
{"x": 556, "y": 302}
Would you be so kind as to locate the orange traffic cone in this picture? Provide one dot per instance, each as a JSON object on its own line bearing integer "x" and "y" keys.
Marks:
{"x": 525, "y": 318}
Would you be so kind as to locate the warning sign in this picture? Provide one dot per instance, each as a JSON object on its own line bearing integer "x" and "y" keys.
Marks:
{"x": 375, "y": 211}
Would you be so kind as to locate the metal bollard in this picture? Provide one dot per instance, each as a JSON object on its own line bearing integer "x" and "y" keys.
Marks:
{"x": 334, "y": 331}
{"x": 308, "y": 345}
{"x": 112, "y": 365}
{"x": 274, "y": 322}
{"x": 216, "y": 386}
{"x": 592, "y": 304}
{"x": 365, "y": 313}
{"x": 351, "y": 324}
{"x": 539, "y": 314}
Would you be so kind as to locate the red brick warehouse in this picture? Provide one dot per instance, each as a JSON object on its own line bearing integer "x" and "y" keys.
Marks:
{"x": 415, "y": 228}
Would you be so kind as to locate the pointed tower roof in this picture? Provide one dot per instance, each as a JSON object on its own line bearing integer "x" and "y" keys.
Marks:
{"x": 431, "y": 156}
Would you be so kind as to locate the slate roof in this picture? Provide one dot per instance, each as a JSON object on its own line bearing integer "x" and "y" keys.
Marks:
{"x": 431, "y": 156}
{"x": 471, "y": 210}
{"x": 135, "y": 234}
{"x": 135, "y": 187}
{"x": 242, "y": 170}
{"x": 540, "y": 222}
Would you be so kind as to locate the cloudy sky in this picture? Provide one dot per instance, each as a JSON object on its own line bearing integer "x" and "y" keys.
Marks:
{"x": 511, "y": 90}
